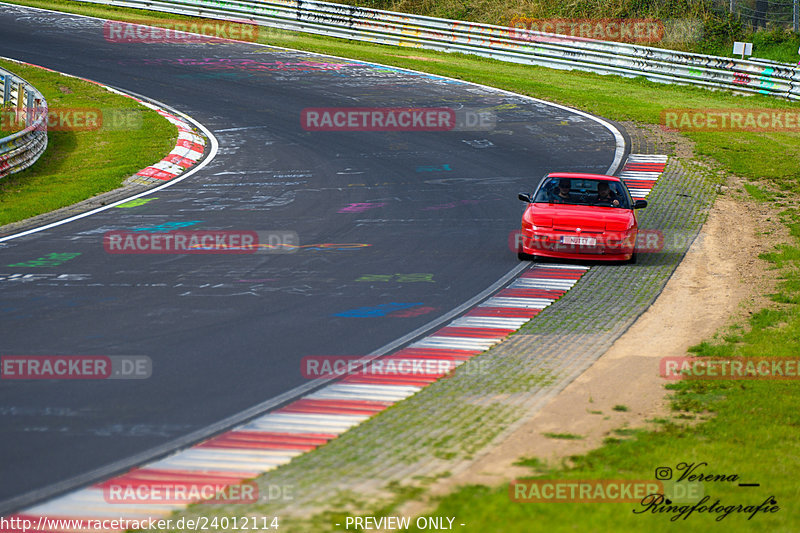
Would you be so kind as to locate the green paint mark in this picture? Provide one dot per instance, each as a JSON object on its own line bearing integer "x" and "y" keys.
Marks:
{"x": 375, "y": 277}
{"x": 49, "y": 260}
{"x": 136, "y": 203}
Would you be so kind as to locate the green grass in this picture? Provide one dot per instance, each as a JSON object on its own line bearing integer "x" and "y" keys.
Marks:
{"x": 81, "y": 164}
{"x": 564, "y": 436}
{"x": 757, "y": 193}
{"x": 753, "y": 433}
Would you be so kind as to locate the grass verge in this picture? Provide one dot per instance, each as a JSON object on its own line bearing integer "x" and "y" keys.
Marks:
{"x": 752, "y": 434}
{"x": 80, "y": 164}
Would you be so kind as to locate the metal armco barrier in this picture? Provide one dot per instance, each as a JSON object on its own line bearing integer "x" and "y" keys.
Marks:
{"x": 27, "y": 105}
{"x": 502, "y": 43}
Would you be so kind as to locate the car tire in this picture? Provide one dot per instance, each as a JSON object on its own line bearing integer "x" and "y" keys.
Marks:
{"x": 522, "y": 256}
{"x": 632, "y": 260}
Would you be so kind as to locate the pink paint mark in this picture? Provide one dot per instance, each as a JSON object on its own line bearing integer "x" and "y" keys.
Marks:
{"x": 409, "y": 313}
{"x": 250, "y": 65}
{"x": 359, "y": 207}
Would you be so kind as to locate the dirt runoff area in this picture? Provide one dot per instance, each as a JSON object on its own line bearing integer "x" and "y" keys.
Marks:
{"x": 720, "y": 282}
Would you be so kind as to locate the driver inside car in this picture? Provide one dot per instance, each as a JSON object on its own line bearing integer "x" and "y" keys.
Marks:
{"x": 605, "y": 195}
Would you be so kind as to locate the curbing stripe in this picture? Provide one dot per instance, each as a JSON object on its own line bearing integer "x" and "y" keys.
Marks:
{"x": 503, "y": 312}
{"x": 641, "y": 172}
{"x": 528, "y": 303}
{"x": 480, "y": 332}
{"x": 489, "y": 322}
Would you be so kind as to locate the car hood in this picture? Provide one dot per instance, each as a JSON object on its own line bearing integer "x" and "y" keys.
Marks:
{"x": 570, "y": 217}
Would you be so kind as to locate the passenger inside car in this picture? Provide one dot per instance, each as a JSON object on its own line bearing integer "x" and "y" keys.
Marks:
{"x": 561, "y": 195}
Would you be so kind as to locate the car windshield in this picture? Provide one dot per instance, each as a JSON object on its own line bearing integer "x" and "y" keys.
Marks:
{"x": 582, "y": 191}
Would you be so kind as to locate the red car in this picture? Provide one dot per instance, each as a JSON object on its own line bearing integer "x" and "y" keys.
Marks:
{"x": 579, "y": 216}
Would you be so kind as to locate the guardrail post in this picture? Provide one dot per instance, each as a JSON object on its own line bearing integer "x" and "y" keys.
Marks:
{"x": 6, "y": 81}
{"x": 20, "y": 100}
{"x": 30, "y": 108}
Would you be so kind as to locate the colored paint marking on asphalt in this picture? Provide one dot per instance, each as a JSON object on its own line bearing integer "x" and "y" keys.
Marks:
{"x": 136, "y": 202}
{"x": 360, "y": 207}
{"x": 50, "y": 260}
{"x": 399, "y": 278}
{"x": 376, "y": 311}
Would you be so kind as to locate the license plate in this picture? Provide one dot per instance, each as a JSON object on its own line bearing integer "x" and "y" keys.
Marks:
{"x": 580, "y": 241}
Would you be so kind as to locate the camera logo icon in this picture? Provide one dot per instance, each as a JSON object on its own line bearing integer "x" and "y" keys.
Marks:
{"x": 663, "y": 473}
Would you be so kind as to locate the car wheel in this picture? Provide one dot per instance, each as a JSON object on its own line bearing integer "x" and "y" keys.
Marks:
{"x": 632, "y": 260}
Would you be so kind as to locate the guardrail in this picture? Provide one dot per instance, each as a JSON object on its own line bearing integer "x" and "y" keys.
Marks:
{"x": 504, "y": 43}
{"x": 26, "y": 106}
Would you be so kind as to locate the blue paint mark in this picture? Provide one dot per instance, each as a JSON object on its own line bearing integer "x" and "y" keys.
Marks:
{"x": 378, "y": 310}
{"x": 433, "y": 168}
{"x": 167, "y": 226}
{"x": 415, "y": 74}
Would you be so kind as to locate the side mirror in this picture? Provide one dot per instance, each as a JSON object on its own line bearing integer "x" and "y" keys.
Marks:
{"x": 640, "y": 204}
{"x": 525, "y": 197}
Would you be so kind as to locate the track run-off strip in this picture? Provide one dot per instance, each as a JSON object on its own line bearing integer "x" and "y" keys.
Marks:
{"x": 275, "y": 438}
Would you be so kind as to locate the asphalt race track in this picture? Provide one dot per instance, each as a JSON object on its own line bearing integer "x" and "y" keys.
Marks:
{"x": 395, "y": 229}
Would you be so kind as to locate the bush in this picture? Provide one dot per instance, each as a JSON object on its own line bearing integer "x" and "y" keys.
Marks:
{"x": 722, "y": 31}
